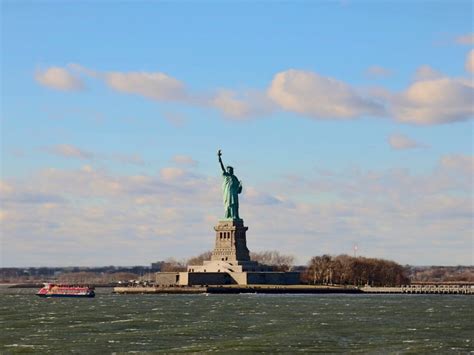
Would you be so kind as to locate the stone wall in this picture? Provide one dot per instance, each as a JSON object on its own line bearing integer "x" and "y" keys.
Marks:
{"x": 239, "y": 278}
{"x": 166, "y": 278}
{"x": 273, "y": 278}
{"x": 205, "y": 278}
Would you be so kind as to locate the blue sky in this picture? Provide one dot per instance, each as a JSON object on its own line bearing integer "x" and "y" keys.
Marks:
{"x": 348, "y": 122}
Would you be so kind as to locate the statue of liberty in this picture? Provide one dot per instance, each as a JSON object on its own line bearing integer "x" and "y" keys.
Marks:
{"x": 231, "y": 188}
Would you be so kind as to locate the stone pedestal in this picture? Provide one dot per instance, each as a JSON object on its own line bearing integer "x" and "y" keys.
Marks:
{"x": 230, "y": 262}
{"x": 231, "y": 241}
{"x": 230, "y": 253}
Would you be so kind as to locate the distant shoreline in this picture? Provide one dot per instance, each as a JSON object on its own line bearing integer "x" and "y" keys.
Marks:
{"x": 448, "y": 288}
{"x": 295, "y": 289}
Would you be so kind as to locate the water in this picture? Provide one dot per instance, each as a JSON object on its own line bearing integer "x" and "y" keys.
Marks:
{"x": 243, "y": 323}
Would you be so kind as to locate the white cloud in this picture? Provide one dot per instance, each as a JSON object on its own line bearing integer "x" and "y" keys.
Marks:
{"x": 171, "y": 174}
{"x": 59, "y": 79}
{"x": 79, "y": 69}
{"x": 425, "y": 72}
{"x": 245, "y": 104}
{"x": 226, "y": 101}
{"x": 320, "y": 97}
{"x": 5, "y": 188}
{"x": 467, "y": 39}
{"x": 184, "y": 160}
{"x": 133, "y": 159}
{"x": 434, "y": 101}
{"x": 400, "y": 142}
{"x": 3, "y": 215}
{"x": 71, "y": 151}
{"x": 378, "y": 72}
{"x": 459, "y": 162}
{"x": 469, "y": 65}
{"x": 157, "y": 86}
{"x": 258, "y": 198}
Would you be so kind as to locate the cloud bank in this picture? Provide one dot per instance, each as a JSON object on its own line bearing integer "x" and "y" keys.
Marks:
{"x": 157, "y": 86}
{"x": 79, "y": 216}
{"x": 432, "y": 98}
{"x": 317, "y": 96}
{"x": 434, "y": 101}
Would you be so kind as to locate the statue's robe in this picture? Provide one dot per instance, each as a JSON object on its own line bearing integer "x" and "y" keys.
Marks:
{"x": 231, "y": 188}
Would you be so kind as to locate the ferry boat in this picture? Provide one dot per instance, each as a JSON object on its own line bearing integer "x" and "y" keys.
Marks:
{"x": 53, "y": 290}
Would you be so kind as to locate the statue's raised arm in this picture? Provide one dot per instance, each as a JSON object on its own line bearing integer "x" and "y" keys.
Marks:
{"x": 219, "y": 153}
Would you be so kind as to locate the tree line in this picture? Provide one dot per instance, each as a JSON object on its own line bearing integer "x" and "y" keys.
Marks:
{"x": 324, "y": 269}
{"x": 348, "y": 270}
{"x": 441, "y": 273}
{"x": 280, "y": 262}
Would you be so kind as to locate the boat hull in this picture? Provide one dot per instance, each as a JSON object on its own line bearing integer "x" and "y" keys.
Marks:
{"x": 59, "y": 290}
{"x": 90, "y": 295}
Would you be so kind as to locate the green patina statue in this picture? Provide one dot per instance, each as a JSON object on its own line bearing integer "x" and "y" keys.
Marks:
{"x": 231, "y": 188}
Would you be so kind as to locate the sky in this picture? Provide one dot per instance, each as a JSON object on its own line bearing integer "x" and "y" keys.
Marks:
{"x": 348, "y": 122}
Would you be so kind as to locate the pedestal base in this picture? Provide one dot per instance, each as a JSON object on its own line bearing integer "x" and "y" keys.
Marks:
{"x": 231, "y": 241}
{"x": 239, "y": 278}
{"x": 230, "y": 262}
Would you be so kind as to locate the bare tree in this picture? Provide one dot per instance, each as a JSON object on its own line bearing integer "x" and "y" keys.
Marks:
{"x": 280, "y": 262}
{"x": 344, "y": 269}
{"x": 198, "y": 260}
{"x": 172, "y": 264}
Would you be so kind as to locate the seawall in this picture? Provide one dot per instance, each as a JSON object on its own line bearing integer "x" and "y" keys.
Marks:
{"x": 236, "y": 289}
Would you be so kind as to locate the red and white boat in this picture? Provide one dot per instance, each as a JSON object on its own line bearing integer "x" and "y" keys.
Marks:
{"x": 53, "y": 290}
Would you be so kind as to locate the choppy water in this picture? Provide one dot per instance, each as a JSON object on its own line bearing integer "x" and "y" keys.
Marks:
{"x": 242, "y": 323}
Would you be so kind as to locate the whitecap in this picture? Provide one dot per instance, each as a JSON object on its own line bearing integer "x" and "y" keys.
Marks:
{"x": 20, "y": 346}
{"x": 121, "y": 321}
